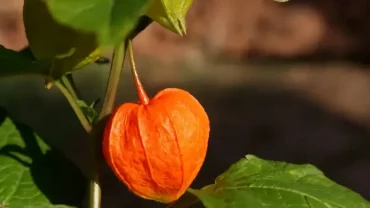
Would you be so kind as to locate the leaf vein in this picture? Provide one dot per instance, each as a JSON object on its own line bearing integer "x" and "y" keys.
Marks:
{"x": 16, "y": 187}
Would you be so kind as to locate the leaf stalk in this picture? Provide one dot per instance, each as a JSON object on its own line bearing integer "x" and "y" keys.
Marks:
{"x": 76, "y": 108}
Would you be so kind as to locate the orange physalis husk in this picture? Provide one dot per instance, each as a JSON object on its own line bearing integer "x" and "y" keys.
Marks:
{"x": 158, "y": 146}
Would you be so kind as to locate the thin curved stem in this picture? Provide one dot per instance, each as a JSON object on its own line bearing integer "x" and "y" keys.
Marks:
{"x": 144, "y": 99}
{"x": 116, "y": 67}
{"x": 185, "y": 201}
{"x": 76, "y": 108}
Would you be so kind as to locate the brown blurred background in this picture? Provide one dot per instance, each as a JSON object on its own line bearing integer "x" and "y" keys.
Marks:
{"x": 284, "y": 81}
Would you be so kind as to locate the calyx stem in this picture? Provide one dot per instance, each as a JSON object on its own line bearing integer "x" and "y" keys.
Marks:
{"x": 143, "y": 97}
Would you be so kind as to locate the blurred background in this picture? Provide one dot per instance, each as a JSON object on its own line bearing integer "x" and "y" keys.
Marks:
{"x": 284, "y": 81}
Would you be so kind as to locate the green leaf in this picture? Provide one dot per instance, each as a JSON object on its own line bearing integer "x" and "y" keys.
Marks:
{"x": 66, "y": 48}
{"x": 170, "y": 14}
{"x": 110, "y": 20}
{"x": 18, "y": 63}
{"x": 32, "y": 174}
{"x": 89, "y": 110}
{"x": 82, "y": 57}
{"x": 257, "y": 183}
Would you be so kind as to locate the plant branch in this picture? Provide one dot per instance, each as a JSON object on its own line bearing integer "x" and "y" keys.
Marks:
{"x": 108, "y": 105}
{"x": 73, "y": 85}
{"x": 76, "y": 108}
{"x": 94, "y": 191}
{"x": 113, "y": 80}
{"x": 119, "y": 54}
{"x": 67, "y": 81}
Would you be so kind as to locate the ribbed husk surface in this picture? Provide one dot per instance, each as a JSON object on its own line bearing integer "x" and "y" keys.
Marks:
{"x": 158, "y": 149}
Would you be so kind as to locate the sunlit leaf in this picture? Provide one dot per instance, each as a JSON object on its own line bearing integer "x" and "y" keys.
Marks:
{"x": 109, "y": 20}
{"x": 170, "y": 14}
{"x": 257, "y": 183}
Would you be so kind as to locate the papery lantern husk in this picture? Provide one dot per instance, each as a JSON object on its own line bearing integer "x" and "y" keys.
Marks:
{"x": 158, "y": 148}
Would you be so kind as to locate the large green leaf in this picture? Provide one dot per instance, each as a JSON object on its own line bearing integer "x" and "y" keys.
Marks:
{"x": 18, "y": 63}
{"x": 66, "y": 48}
{"x": 32, "y": 174}
{"x": 256, "y": 183}
{"x": 110, "y": 20}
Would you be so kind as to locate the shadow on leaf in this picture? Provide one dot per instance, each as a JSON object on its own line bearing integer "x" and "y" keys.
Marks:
{"x": 58, "y": 179}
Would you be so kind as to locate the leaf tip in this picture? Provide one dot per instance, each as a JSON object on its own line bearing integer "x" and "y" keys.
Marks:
{"x": 251, "y": 157}
{"x": 182, "y": 26}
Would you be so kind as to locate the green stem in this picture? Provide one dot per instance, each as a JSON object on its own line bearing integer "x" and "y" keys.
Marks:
{"x": 113, "y": 80}
{"x": 185, "y": 201}
{"x": 95, "y": 191}
{"x": 108, "y": 105}
{"x": 73, "y": 85}
{"x": 67, "y": 82}
{"x": 119, "y": 54}
{"x": 76, "y": 108}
